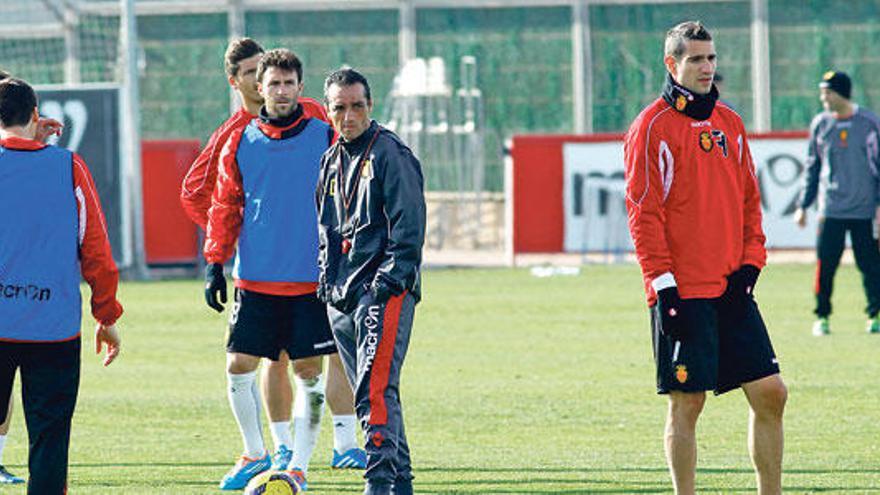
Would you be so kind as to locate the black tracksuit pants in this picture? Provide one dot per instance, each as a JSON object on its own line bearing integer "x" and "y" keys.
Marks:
{"x": 372, "y": 342}
{"x": 49, "y": 386}
{"x": 832, "y": 241}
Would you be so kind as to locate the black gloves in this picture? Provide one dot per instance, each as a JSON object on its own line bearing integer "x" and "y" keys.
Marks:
{"x": 215, "y": 282}
{"x": 740, "y": 288}
{"x": 669, "y": 307}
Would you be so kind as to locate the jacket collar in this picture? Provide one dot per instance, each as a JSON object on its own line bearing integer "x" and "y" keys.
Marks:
{"x": 695, "y": 106}
{"x": 359, "y": 143}
{"x": 282, "y": 127}
{"x": 21, "y": 144}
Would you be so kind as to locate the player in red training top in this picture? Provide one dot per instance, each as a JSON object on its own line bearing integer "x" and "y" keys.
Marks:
{"x": 240, "y": 61}
{"x": 695, "y": 218}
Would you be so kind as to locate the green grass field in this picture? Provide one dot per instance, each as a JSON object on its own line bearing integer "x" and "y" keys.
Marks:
{"x": 513, "y": 384}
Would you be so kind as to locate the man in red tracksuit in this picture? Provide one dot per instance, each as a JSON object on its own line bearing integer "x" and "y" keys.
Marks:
{"x": 240, "y": 61}
{"x": 695, "y": 218}
{"x": 47, "y": 248}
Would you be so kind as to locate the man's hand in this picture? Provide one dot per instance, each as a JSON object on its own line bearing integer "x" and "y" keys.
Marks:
{"x": 215, "y": 283}
{"x": 669, "y": 306}
{"x": 741, "y": 287}
{"x": 800, "y": 217}
{"x": 46, "y": 128}
{"x": 382, "y": 288}
{"x": 107, "y": 334}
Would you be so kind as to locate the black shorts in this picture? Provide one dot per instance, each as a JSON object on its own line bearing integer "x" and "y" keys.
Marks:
{"x": 264, "y": 325}
{"x": 719, "y": 350}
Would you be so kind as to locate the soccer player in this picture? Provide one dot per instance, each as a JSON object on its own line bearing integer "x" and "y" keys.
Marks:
{"x": 59, "y": 237}
{"x": 264, "y": 203}
{"x": 45, "y": 128}
{"x": 844, "y": 156}
{"x": 241, "y": 60}
{"x": 695, "y": 218}
{"x": 371, "y": 208}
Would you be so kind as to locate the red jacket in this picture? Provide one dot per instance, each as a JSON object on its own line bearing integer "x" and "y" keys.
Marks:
{"x": 692, "y": 199}
{"x": 96, "y": 258}
{"x": 198, "y": 185}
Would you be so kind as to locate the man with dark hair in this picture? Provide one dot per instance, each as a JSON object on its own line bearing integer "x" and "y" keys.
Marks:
{"x": 45, "y": 128}
{"x": 843, "y": 158}
{"x": 46, "y": 249}
{"x": 371, "y": 211}
{"x": 264, "y": 204}
{"x": 241, "y": 61}
{"x": 695, "y": 217}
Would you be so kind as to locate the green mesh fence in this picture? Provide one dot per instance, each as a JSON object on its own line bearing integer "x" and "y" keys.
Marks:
{"x": 628, "y": 70}
{"x": 809, "y": 37}
{"x": 524, "y": 68}
{"x": 324, "y": 41}
{"x": 523, "y": 55}
{"x": 184, "y": 93}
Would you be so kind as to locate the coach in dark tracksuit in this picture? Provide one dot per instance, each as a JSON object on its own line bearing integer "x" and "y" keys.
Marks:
{"x": 371, "y": 222}
{"x": 52, "y": 232}
{"x": 842, "y": 164}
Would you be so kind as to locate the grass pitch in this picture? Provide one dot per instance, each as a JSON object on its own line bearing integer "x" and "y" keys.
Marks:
{"x": 513, "y": 384}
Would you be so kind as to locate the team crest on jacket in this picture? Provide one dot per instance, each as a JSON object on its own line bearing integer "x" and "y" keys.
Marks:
{"x": 680, "y": 103}
{"x": 706, "y": 141}
{"x": 844, "y": 134}
{"x": 681, "y": 373}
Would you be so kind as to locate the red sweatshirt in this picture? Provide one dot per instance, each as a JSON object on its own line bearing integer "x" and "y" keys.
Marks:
{"x": 692, "y": 198}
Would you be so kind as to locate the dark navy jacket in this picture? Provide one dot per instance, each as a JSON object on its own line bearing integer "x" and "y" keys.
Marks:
{"x": 384, "y": 221}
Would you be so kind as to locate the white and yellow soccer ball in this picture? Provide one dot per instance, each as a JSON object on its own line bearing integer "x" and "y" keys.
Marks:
{"x": 272, "y": 483}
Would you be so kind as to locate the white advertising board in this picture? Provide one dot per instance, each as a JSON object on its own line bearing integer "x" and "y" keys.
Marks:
{"x": 595, "y": 207}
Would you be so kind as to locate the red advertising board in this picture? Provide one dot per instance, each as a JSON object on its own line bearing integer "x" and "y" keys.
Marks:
{"x": 170, "y": 236}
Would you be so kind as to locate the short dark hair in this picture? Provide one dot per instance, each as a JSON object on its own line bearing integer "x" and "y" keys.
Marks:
{"x": 346, "y": 76}
{"x": 238, "y": 50}
{"x": 686, "y": 31}
{"x": 280, "y": 58}
{"x": 17, "y": 102}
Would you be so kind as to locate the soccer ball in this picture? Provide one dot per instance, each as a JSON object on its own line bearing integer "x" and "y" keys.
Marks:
{"x": 272, "y": 483}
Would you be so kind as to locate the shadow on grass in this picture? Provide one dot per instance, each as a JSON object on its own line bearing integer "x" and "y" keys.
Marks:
{"x": 494, "y": 480}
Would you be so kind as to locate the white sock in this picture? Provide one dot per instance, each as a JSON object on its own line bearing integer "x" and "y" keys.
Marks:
{"x": 2, "y": 446}
{"x": 281, "y": 434}
{"x": 308, "y": 407}
{"x": 344, "y": 436}
{"x": 244, "y": 398}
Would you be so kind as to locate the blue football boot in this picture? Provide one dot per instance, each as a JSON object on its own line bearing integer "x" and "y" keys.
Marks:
{"x": 7, "y": 478}
{"x": 281, "y": 458}
{"x": 245, "y": 469}
{"x": 351, "y": 459}
{"x": 300, "y": 477}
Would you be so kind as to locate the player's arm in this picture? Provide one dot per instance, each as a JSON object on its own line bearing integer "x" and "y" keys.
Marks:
{"x": 873, "y": 146}
{"x": 649, "y": 169}
{"x": 198, "y": 184}
{"x": 96, "y": 261}
{"x": 320, "y": 198}
{"x": 813, "y": 166}
{"x": 227, "y": 202}
{"x": 96, "y": 258}
{"x": 404, "y": 205}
